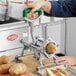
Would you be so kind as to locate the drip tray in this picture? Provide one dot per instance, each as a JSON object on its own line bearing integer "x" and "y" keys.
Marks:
{"x": 11, "y": 20}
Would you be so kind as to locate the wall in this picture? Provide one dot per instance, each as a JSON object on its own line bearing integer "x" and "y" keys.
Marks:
{"x": 71, "y": 37}
{"x": 56, "y": 30}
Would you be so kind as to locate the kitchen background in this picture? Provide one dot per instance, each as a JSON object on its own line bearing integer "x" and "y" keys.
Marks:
{"x": 62, "y": 30}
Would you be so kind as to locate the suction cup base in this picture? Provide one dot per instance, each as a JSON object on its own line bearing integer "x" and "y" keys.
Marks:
{"x": 17, "y": 60}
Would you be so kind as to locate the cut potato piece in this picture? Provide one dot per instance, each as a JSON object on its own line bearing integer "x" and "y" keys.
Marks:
{"x": 63, "y": 71}
{"x": 57, "y": 72}
{"x": 49, "y": 73}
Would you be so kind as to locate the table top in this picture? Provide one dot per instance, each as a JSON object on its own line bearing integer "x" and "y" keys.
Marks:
{"x": 29, "y": 61}
{"x": 31, "y": 64}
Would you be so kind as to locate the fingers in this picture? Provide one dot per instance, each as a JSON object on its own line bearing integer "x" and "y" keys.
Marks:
{"x": 32, "y": 15}
{"x": 34, "y": 9}
{"x": 61, "y": 60}
{"x": 34, "y": 6}
{"x": 61, "y": 63}
{"x": 58, "y": 59}
{"x": 29, "y": 6}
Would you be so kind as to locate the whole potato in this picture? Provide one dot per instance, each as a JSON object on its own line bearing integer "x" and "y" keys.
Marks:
{"x": 17, "y": 69}
{"x": 4, "y": 68}
{"x": 4, "y": 59}
{"x": 51, "y": 48}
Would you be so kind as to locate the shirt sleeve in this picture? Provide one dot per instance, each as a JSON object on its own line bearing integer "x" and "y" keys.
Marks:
{"x": 62, "y": 8}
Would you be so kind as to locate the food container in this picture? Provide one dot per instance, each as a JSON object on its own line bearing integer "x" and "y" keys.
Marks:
{"x": 65, "y": 67}
{"x": 5, "y": 11}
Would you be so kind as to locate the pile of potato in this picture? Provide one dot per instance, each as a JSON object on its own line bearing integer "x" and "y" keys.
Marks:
{"x": 14, "y": 69}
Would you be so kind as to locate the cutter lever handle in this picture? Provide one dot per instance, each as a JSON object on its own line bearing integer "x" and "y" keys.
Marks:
{"x": 26, "y": 11}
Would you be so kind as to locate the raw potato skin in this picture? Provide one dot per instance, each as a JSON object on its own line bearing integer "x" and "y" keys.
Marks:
{"x": 51, "y": 48}
{"x": 17, "y": 69}
{"x": 5, "y": 68}
{"x": 63, "y": 71}
{"x": 4, "y": 60}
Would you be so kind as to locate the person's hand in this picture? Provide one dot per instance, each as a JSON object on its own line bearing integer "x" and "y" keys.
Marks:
{"x": 32, "y": 16}
{"x": 45, "y": 5}
{"x": 66, "y": 60}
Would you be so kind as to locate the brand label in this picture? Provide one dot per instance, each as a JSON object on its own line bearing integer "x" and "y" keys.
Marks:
{"x": 12, "y": 37}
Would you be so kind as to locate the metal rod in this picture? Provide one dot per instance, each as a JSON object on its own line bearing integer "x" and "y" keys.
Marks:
{"x": 27, "y": 2}
{"x": 31, "y": 32}
{"x": 6, "y": 12}
{"x": 65, "y": 35}
{"x": 17, "y": 2}
{"x": 44, "y": 31}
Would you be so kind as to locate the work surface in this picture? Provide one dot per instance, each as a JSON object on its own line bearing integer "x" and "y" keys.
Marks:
{"x": 30, "y": 62}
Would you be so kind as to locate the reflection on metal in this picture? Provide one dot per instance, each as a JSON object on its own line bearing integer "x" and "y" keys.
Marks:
{"x": 65, "y": 36}
{"x": 27, "y": 2}
{"x": 44, "y": 31}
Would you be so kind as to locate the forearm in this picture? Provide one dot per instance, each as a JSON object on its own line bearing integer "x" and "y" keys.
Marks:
{"x": 60, "y": 8}
{"x": 74, "y": 59}
{"x": 46, "y": 7}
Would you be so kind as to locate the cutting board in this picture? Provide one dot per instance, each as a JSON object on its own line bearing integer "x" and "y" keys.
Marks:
{"x": 29, "y": 61}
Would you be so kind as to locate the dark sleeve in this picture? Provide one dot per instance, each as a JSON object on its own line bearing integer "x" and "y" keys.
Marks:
{"x": 63, "y": 8}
